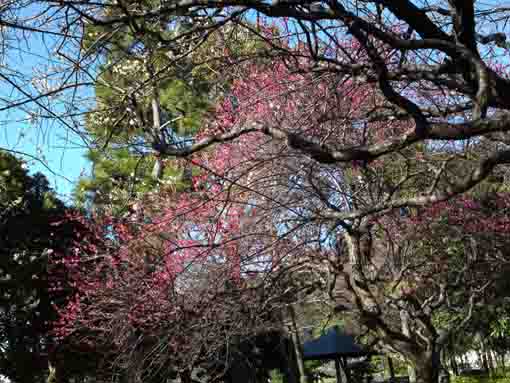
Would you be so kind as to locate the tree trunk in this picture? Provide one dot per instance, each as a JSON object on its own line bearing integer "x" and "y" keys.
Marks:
{"x": 157, "y": 171}
{"x": 483, "y": 360}
{"x": 391, "y": 369}
{"x": 455, "y": 366}
{"x": 463, "y": 360}
{"x": 404, "y": 318}
{"x": 428, "y": 367}
{"x": 487, "y": 359}
{"x": 490, "y": 362}
{"x": 425, "y": 374}
{"x": 186, "y": 376}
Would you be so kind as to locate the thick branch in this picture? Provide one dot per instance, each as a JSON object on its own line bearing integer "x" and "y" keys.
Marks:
{"x": 479, "y": 173}
{"x": 327, "y": 155}
{"x": 463, "y": 14}
{"x": 417, "y": 18}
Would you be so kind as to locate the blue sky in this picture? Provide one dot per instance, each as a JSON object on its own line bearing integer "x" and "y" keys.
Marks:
{"x": 62, "y": 153}
{"x": 53, "y": 149}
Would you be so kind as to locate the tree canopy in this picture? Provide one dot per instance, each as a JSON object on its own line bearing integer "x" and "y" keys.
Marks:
{"x": 351, "y": 152}
{"x": 29, "y": 208}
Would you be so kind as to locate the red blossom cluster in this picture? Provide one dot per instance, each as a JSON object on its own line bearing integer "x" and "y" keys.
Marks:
{"x": 168, "y": 284}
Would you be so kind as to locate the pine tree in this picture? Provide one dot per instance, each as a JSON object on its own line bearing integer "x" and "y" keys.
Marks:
{"x": 150, "y": 93}
{"x": 134, "y": 114}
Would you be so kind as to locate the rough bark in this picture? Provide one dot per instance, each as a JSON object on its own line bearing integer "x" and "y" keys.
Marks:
{"x": 186, "y": 377}
{"x": 404, "y": 317}
{"x": 428, "y": 366}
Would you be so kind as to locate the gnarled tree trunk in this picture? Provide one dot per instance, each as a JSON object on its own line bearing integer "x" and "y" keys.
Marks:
{"x": 428, "y": 366}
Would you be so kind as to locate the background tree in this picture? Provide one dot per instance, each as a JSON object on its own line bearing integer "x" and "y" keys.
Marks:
{"x": 132, "y": 120}
{"x": 29, "y": 208}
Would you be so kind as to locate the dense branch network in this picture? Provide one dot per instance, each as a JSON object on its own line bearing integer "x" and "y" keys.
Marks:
{"x": 330, "y": 122}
